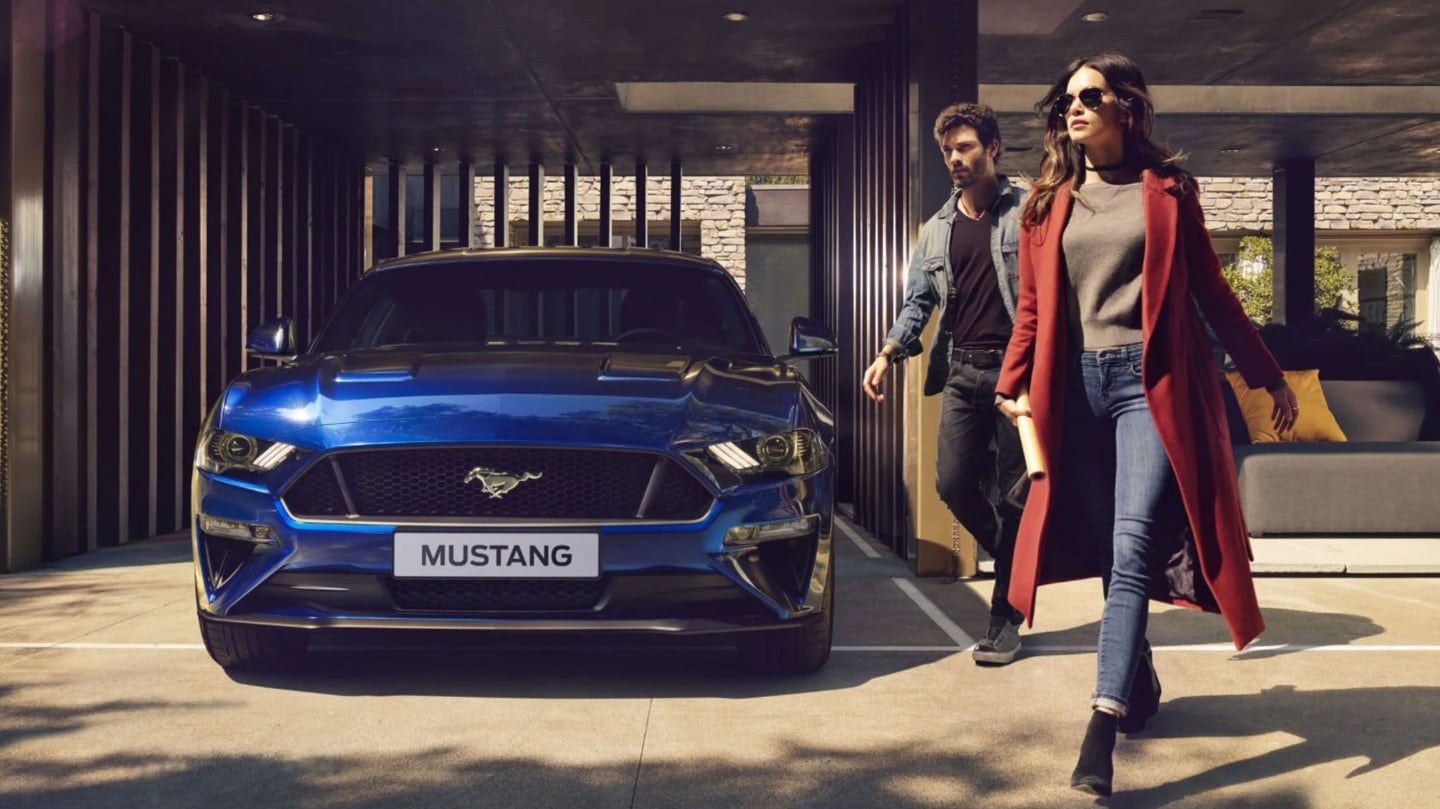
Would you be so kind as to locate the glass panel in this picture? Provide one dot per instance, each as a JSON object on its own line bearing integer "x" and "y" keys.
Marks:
{"x": 1386, "y": 289}
{"x": 602, "y": 300}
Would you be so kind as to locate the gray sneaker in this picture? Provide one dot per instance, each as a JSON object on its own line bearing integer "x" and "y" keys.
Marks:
{"x": 1001, "y": 644}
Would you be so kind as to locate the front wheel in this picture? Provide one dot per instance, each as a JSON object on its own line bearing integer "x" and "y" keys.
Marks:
{"x": 242, "y": 647}
{"x": 801, "y": 650}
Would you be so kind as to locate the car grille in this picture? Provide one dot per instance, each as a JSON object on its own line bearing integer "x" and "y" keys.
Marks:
{"x": 508, "y": 595}
{"x": 543, "y": 483}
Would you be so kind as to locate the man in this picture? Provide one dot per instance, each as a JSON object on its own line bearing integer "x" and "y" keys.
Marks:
{"x": 967, "y": 263}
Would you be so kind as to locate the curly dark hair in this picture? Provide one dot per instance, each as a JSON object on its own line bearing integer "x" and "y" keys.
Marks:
{"x": 979, "y": 117}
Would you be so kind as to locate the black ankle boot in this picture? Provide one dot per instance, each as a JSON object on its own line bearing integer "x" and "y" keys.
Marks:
{"x": 1144, "y": 697}
{"x": 1095, "y": 770}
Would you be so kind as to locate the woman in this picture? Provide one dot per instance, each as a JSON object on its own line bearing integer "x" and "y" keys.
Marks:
{"x": 1114, "y": 261}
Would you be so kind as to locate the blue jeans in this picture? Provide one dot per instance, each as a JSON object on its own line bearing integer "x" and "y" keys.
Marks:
{"x": 1119, "y": 477}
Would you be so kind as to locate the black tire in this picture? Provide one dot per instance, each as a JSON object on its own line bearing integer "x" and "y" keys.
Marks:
{"x": 801, "y": 650}
{"x": 242, "y": 647}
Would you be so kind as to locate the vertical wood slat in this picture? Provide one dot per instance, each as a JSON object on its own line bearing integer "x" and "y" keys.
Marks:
{"x": 66, "y": 357}
{"x": 465, "y": 204}
{"x": 675, "y": 198}
{"x": 572, "y": 183}
{"x": 607, "y": 219}
{"x": 144, "y": 221}
{"x": 290, "y": 241}
{"x": 168, "y": 289}
{"x": 239, "y": 283}
{"x": 257, "y": 230}
{"x": 502, "y": 204}
{"x": 304, "y": 253}
{"x": 536, "y": 225}
{"x": 217, "y": 300}
{"x": 432, "y": 207}
{"x": 276, "y": 273}
{"x": 396, "y": 221}
{"x": 110, "y": 259}
{"x": 95, "y": 306}
{"x": 24, "y": 510}
{"x": 190, "y": 327}
{"x": 642, "y": 223}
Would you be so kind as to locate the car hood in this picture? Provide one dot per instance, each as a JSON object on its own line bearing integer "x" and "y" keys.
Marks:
{"x": 513, "y": 395}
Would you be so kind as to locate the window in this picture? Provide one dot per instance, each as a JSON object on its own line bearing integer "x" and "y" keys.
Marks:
{"x": 1387, "y": 289}
{"x": 623, "y": 232}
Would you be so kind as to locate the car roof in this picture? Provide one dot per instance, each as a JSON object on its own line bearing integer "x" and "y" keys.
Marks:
{"x": 626, "y": 255}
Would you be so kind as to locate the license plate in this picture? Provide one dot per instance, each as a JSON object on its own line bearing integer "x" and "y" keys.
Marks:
{"x": 496, "y": 556}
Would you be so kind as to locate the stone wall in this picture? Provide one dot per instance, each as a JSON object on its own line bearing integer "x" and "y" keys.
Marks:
{"x": 1341, "y": 203}
{"x": 717, "y": 204}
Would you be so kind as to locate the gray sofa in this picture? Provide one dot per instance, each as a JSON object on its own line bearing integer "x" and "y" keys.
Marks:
{"x": 1383, "y": 481}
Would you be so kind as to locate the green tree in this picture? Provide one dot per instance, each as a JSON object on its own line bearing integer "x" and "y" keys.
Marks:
{"x": 1252, "y": 278}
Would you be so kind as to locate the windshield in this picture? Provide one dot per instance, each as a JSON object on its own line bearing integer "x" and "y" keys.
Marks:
{"x": 554, "y": 300}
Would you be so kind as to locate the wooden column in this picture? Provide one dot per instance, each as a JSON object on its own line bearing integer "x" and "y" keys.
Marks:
{"x": 642, "y": 224}
{"x": 607, "y": 219}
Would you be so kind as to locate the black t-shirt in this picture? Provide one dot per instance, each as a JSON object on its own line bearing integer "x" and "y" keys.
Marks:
{"x": 979, "y": 316}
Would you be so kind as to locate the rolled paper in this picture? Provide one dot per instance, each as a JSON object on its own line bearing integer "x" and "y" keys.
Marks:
{"x": 1029, "y": 440}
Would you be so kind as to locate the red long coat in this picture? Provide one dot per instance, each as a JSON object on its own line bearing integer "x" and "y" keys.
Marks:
{"x": 1208, "y": 565}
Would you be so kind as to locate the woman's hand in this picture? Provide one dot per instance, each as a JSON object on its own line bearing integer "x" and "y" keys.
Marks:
{"x": 1012, "y": 409}
{"x": 1287, "y": 407}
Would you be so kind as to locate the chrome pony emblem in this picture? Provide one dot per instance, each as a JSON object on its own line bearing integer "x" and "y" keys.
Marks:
{"x": 498, "y": 484}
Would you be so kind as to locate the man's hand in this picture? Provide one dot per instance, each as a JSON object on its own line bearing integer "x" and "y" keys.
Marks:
{"x": 874, "y": 375}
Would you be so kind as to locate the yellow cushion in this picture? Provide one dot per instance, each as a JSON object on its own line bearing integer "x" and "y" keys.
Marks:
{"x": 1315, "y": 422}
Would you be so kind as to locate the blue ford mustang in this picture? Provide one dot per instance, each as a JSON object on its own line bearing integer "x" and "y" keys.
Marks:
{"x": 534, "y": 439}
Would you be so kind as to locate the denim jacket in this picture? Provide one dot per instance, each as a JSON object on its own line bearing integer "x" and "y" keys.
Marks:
{"x": 927, "y": 284}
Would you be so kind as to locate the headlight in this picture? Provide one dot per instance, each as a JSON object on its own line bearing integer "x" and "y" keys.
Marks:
{"x": 794, "y": 453}
{"x": 221, "y": 451}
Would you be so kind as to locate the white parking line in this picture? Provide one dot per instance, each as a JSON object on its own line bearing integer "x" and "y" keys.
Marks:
{"x": 1223, "y": 648}
{"x": 857, "y": 539}
{"x": 949, "y": 627}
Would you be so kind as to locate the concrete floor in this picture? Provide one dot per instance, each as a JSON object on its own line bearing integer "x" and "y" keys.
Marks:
{"x": 107, "y": 699}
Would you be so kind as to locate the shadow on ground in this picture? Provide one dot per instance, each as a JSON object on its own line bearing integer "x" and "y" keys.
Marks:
{"x": 1286, "y": 631}
{"x": 550, "y": 668}
{"x": 1378, "y": 725}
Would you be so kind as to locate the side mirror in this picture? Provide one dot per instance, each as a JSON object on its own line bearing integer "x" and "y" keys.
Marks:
{"x": 810, "y": 339}
{"x": 273, "y": 340}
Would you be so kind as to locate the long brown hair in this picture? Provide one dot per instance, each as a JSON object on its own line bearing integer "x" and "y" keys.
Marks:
{"x": 1064, "y": 161}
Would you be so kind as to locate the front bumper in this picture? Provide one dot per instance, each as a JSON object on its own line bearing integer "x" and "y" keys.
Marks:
{"x": 654, "y": 578}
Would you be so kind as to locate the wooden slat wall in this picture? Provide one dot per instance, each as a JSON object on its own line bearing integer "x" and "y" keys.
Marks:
{"x": 177, "y": 217}
{"x": 860, "y": 240}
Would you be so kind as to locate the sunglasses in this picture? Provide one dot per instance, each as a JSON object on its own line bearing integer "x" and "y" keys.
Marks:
{"x": 1091, "y": 97}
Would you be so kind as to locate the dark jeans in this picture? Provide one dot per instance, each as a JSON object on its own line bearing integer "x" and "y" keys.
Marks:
{"x": 966, "y": 468}
{"x": 1119, "y": 477}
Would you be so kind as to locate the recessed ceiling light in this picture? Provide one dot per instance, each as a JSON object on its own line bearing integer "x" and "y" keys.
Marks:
{"x": 724, "y": 148}
{"x": 437, "y": 149}
{"x": 1230, "y": 150}
{"x": 267, "y": 16}
{"x": 1095, "y": 16}
{"x": 736, "y": 16}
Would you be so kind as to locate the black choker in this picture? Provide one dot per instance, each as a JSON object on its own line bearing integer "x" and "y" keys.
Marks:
{"x": 1108, "y": 167}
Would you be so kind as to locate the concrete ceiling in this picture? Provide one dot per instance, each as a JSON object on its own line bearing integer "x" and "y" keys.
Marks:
{"x": 528, "y": 79}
